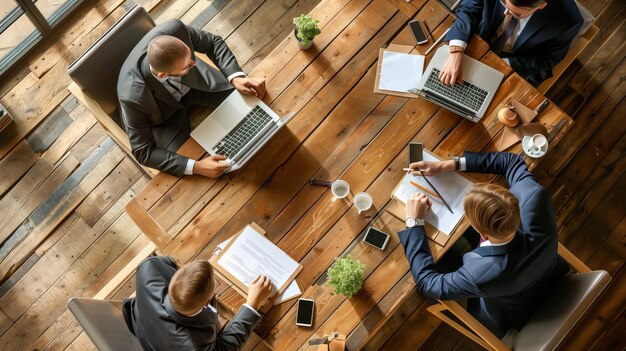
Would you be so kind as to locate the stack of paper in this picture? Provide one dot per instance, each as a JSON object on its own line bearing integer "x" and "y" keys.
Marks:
{"x": 400, "y": 72}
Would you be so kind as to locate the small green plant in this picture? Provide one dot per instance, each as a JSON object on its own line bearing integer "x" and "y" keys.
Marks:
{"x": 306, "y": 28}
{"x": 346, "y": 276}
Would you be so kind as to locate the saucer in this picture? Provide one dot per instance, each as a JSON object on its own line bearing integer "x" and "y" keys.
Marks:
{"x": 536, "y": 154}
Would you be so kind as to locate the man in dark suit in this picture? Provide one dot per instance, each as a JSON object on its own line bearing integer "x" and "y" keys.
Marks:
{"x": 506, "y": 277}
{"x": 161, "y": 79}
{"x": 532, "y": 36}
{"x": 172, "y": 310}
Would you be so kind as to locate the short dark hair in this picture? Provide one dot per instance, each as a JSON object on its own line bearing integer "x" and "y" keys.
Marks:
{"x": 527, "y": 3}
{"x": 164, "y": 51}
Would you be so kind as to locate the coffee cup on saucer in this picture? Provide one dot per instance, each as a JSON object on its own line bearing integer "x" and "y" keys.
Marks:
{"x": 535, "y": 146}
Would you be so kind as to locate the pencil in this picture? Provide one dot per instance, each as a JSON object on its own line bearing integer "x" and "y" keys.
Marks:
{"x": 423, "y": 189}
{"x": 428, "y": 29}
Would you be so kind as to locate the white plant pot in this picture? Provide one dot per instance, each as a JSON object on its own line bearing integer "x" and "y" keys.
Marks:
{"x": 300, "y": 45}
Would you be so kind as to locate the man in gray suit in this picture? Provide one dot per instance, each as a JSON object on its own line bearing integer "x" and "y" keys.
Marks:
{"x": 161, "y": 79}
{"x": 172, "y": 310}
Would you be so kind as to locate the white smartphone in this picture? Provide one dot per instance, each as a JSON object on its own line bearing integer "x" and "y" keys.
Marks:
{"x": 376, "y": 238}
{"x": 418, "y": 32}
{"x": 304, "y": 316}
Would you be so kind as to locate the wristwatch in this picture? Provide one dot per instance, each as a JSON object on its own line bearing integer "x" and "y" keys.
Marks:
{"x": 412, "y": 222}
{"x": 457, "y": 162}
{"x": 454, "y": 49}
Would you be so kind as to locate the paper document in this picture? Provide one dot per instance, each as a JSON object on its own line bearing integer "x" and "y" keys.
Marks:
{"x": 452, "y": 187}
{"x": 400, "y": 72}
{"x": 252, "y": 254}
{"x": 292, "y": 291}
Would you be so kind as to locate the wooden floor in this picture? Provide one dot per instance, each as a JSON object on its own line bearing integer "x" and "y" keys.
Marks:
{"x": 64, "y": 183}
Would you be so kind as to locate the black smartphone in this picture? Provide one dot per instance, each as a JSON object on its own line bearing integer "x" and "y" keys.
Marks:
{"x": 376, "y": 238}
{"x": 304, "y": 316}
{"x": 418, "y": 32}
{"x": 416, "y": 152}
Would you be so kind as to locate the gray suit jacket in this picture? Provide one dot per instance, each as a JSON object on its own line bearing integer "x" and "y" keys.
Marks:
{"x": 159, "y": 327}
{"x": 145, "y": 103}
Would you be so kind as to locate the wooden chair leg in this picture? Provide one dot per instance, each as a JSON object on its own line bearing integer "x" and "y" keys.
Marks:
{"x": 474, "y": 330}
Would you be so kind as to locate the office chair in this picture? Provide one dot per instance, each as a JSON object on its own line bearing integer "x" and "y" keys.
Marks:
{"x": 554, "y": 319}
{"x": 104, "y": 323}
{"x": 95, "y": 72}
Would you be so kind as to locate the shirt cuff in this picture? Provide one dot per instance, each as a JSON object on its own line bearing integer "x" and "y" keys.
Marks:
{"x": 456, "y": 42}
{"x": 189, "y": 167}
{"x": 507, "y": 61}
{"x": 235, "y": 75}
{"x": 252, "y": 309}
{"x": 462, "y": 164}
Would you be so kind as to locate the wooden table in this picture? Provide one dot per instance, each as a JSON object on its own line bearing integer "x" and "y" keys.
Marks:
{"x": 341, "y": 130}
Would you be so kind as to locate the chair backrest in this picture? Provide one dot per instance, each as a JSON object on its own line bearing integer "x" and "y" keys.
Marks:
{"x": 588, "y": 19}
{"x": 97, "y": 70}
{"x": 561, "y": 310}
{"x": 103, "y": 322}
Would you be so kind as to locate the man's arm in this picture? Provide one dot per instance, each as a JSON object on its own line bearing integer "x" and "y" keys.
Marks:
{"x": 468, "y": 15}
{"x": 143, "y": 145}
{"x": 510, "y": 165}
{"x": 238, "y": 330}
{"x": 217, "y": 50}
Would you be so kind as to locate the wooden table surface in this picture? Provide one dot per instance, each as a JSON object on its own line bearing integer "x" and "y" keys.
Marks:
{"x": 341, "y": 129}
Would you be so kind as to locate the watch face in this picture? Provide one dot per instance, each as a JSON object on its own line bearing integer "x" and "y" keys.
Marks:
{"x": 410, "y": 222}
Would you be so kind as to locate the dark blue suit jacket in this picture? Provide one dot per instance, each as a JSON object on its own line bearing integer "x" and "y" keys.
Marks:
{"x": 505, "y": 284}
{"x": 542, "y": 44}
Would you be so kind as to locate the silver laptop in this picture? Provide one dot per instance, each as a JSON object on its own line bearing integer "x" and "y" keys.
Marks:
{"x": 470, "y": 99}
{"x": 238, "y": 129}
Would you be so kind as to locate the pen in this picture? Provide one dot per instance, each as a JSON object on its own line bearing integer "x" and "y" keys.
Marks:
{"x": 428, "y": 29}
{"x": 437, "y": 42}
{"x": 435, "y": 189}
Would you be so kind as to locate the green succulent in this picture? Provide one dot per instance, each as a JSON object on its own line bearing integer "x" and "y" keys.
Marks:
{"x": 346, "y": 276}
{"x": 306, "y": 28}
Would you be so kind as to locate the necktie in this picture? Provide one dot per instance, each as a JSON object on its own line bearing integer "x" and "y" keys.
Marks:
{"x": 498, "y": 44}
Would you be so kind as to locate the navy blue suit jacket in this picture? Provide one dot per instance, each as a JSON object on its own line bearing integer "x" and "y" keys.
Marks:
{"x": 540, "y": 46}
{"x": 504, "y": 284}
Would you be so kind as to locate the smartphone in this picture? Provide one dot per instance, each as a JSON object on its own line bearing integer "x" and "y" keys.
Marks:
{"x": 304, "y": 317}
{"x": 376, "y": 238}
{"x": 418, "y": 32}
{"x": 416, "y": 152}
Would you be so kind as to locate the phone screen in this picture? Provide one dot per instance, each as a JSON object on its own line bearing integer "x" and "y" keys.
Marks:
{"x": 418, "y": 32}
{"x": 305, "y": 312}
{"x": 376, "y": 238}
{"x": 416, "y": 152}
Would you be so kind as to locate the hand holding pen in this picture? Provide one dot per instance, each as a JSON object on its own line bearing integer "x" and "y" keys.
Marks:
{"x": 431, "y": 168}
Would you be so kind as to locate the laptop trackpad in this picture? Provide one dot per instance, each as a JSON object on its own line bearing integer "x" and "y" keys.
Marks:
{"x": 227, "y": 116}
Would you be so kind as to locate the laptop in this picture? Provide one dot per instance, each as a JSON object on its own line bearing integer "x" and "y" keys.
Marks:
{"x": 470, "y": 99}
{"x": 238, "y": 129}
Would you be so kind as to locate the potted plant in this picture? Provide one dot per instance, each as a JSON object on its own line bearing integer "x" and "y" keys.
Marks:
{"x": 346, "y": 276}
{"x": 306, "y": 29}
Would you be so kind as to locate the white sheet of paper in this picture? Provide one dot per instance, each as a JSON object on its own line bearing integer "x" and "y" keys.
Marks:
{"x": 400, "y": 72}
{"x": 253, "y": 254}
{"x": 452, "y": 187}
{"x": 290, "y": 292}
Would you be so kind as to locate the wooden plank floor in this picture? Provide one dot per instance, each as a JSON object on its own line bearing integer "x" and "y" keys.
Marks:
{"x": 64, "y": 183}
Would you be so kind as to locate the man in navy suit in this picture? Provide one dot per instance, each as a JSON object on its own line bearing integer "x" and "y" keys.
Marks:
{"x": 532, "y": 36}
{"x": 504, "y": 279}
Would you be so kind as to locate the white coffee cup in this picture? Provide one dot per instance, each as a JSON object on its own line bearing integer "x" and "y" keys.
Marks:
{"x": 340, "y": 189}
{"x": 363, "y": 202}
{"x": 537, "y": 143}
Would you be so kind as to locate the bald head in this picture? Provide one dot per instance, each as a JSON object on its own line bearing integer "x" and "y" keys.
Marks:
{"x": 165, "y": 51}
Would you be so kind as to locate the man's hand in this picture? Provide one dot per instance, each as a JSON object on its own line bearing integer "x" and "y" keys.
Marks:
{"x": 250, "y": 86}
{"x": 417, "y": 206}
{"x": 432, "y": 168}
{"x": 259, "y": 291}
{"x": 212, "y": 166}
{"x": 451, "y": 70}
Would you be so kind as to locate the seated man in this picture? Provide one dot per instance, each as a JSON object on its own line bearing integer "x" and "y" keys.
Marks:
{"x": 161, "y": 79}
{"x": 171, "y": 310}
{"x": 515, "y": 266}
{"x": 531, "y": 35}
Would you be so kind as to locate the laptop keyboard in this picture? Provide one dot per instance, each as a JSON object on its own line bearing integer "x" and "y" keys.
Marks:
{"x": 466, "y": 94}
{"x": 243, "y": 133}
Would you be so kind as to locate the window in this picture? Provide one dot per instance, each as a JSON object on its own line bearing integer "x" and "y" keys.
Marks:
{"x": 23, "y": 23}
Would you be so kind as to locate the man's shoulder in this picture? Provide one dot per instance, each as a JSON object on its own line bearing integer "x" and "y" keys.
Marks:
{"x": 483, "y": 268}
{"x": 156, "y": 266}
